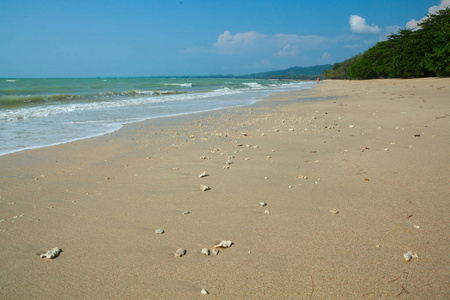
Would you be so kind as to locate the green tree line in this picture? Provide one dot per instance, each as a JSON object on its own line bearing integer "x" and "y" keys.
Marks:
{"x": 424, "y": 52}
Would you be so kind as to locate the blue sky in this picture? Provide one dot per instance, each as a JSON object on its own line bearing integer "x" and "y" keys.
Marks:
{"x": 99, "y": 38}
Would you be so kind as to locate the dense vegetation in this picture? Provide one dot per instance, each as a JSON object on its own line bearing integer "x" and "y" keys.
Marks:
{"x": 340, "y": 70}
{"x": 407, "y": 54}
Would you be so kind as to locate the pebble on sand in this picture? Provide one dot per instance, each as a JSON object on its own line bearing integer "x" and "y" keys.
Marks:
{"x": 204, "y": 292}
{"x": 204, "y": 187}
{"x": 159, "y": 231}
{"x": 205, "y": 251}
{"x": 180, "y": 252}
{"x": 202, "y": 175}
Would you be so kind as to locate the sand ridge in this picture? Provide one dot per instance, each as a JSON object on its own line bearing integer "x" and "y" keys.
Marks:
{"x": 375, "y": 153}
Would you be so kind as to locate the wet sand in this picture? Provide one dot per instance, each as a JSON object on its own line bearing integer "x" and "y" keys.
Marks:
{"x": 373, "y": 152}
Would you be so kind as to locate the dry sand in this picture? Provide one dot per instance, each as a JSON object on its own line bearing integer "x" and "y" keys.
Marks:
{"x": 375, "y": 151}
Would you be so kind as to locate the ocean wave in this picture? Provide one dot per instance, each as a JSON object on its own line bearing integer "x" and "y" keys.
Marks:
{"x": 165, "y": 96}
{"x": 140, "y": 93}
{"x": 14, "y": 100}
{"x": 10, "y": 80}
{"x": 180, "y": 84}
{"x": 253, "y": 85}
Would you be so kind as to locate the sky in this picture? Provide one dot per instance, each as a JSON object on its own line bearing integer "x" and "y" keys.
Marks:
{"x": 137, "y": 38}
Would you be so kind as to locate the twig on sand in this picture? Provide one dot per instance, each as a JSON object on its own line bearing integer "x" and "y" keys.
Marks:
{"x": 403, "y": 291}
{"x": 312, "y": 287}
{"x": 398, "y": 277}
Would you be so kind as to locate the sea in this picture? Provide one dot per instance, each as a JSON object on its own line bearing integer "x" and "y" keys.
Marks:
{"x": 37, "y": 113}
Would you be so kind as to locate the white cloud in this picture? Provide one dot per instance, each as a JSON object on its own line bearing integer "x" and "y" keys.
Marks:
{"x": 278, "y": 45}
{"x": 359, "y": 25}
{"x": 240, "y": 42}
{"x": 412, "y": 24}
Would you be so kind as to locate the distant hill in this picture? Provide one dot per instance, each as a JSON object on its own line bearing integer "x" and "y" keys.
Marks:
{"x": 299, "y": 73}
{"x": 310, "y": 73}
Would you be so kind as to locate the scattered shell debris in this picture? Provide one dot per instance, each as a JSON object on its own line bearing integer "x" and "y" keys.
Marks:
{"x": 186, "y": 212}
{"x": 202, "y": 175}
{"x": 159, "y": 231}
{"x": 224, "y": 244}
{"x": 228, "y": 162}
{"x": 262, "y": 203}
{"x": 180, "y": 252}
{"x": 267, "y": 212}
{"x": 216, "y": 251}
{"x": 51, "y": 254}
{"x": 416, "y": 226}
{"x": 334, "y": 211}
{"x": 410, "y": 255}
{"x": 204, "y": 292}
{"x": 226, "y": 167}
{"x": 205, "y": 251}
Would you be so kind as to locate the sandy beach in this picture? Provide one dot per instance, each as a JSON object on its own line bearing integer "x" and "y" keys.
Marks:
{"x": 352, "y": 181}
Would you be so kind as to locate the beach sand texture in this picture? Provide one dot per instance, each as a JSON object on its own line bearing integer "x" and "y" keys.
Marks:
{"x": 350, "y": 185}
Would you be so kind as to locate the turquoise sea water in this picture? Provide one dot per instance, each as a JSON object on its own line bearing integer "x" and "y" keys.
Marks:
{"x": 43, "y": 112}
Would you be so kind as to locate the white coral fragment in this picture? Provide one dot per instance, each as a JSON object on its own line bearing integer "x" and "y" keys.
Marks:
{"x": 52, "y": 253}
{"x": 224, "y": 244}
{"x": 410, "y": 255}
{"x": 204, "y": 187}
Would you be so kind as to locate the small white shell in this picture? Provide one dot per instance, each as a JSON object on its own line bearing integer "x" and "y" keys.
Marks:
{"x": 262, "y": 203}
{"x": 186, "y": 212}
{"x": 180, "y": 252}
{"x": 204, "y": 292}
{"x": 204, "y": 187}
{"x": 51, "y": 253}
{"x": 215, "y": 251}
{"x": 159, "y": 231}
{"x": 224, "y": 244}
{"x": 202, "y": 175}
{"x": 334, "y": 211}
{"x": 267, "y": 212}
{"x": 228, "y": 162}
{"x": 205, "y": 251}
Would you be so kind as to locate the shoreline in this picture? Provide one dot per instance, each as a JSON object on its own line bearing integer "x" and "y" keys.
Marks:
{"x": 107, "y": 127}
{"x": 375, "y": 153}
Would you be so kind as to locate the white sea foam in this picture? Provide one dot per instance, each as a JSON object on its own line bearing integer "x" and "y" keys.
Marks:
{"x": 253, "y": 85}
{"x": 180, "y": 84}
{"x": 10, "y": 80}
